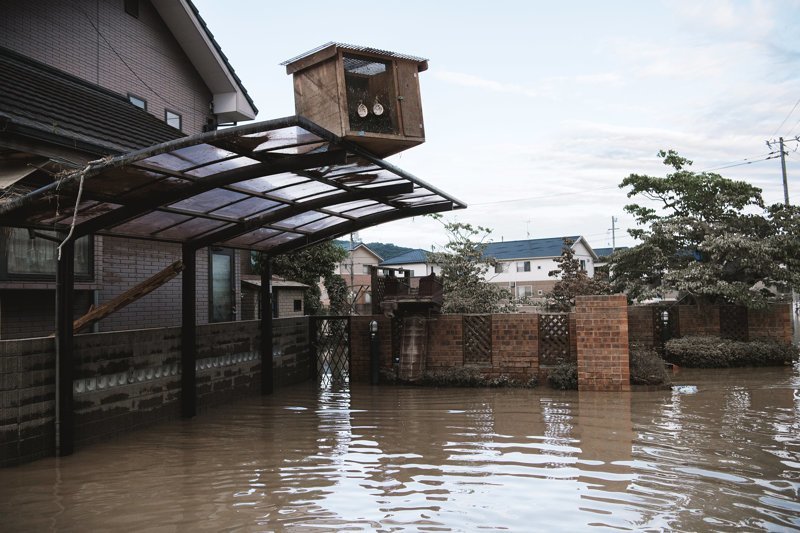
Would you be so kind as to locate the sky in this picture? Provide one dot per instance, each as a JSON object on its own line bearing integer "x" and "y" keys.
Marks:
{"x": 535, "y": 111}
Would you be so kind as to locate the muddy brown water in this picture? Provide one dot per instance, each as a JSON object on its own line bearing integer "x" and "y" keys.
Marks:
{"x": 726, "y": 457}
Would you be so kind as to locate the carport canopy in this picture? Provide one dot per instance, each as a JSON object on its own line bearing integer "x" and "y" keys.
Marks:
{"x": 271, "y": 186}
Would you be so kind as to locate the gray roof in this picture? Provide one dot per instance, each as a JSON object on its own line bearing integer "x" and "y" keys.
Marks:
{"x": 414, "y": 256}
{"x": 354, "y": 48}
{"x": 41, "y": 102}
{"x": 530, "y": 248}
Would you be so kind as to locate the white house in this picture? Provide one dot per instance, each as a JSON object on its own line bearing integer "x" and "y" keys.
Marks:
{"x": 415, "y": 261}
{"x": 523, "y": 266}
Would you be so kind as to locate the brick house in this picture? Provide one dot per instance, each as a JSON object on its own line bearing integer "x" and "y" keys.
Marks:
{"x": 84, "y": 79}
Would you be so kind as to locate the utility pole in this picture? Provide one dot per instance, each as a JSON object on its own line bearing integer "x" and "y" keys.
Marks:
{"x": 783, "y": 169}
{"x": 614, "y": 221}
{"x": 781, "y": 143}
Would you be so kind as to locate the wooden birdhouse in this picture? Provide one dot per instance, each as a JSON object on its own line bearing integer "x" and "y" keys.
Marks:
{"x": 365, "y": 95}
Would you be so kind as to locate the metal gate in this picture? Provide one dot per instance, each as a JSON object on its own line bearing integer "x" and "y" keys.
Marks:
{"x": 665, "y": 326}
{"x": 331, "y": 344}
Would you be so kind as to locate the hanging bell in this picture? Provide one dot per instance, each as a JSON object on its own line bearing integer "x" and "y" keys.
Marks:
{"x": 362, "y": 110}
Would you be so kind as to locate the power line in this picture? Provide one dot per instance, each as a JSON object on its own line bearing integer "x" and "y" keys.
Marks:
{"x": 771, "y": 155}
{"x": 100, "y": 34}
{"x": 574, "y": 193}
{"x": 787, "y": 118}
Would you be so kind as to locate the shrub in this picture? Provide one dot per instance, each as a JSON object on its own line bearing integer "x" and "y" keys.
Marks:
{"x": 646, "y": 367}
{"x": 564, "y": 376}
{"x": 465, "y": 376}
{"x": 713, "y": 352}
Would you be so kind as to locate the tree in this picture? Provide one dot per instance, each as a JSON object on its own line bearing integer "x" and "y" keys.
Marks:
{"x": 712, "y": 238}
{"x": 574, "y": 280}
{"x": 307, "y": 266}
{"x": 463, "y": 267}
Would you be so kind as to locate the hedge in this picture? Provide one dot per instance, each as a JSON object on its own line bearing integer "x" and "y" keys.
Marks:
{"x": 714, "y": 352}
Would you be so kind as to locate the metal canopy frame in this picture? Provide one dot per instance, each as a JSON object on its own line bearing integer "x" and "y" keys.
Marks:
{"x": 272, "y": 186}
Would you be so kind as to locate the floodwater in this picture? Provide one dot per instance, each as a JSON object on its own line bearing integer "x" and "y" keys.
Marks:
{"x": 726, "y": 457}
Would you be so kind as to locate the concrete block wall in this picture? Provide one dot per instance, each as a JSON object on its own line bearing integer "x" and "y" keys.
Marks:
{"x": 602, "y": 342}
{"x": 130, "y": 379}
{"x": 27, "y": 399}
{"x": 65, "y": 36}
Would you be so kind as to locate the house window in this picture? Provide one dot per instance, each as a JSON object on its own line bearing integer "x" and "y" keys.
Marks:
{"x": 220, "y": 278}
{"x": 524, "y": 291}
{"x": 172, "y": 119}
{"x": 583, "y": 265}
{"x": 298, "y": 305}
{"x": 523, "y": 266}
{"x": 34, "y": 254}
{"x": 138, "y": 102}
{"x": 365, "y": 269}
{"x": 499, "y": 268}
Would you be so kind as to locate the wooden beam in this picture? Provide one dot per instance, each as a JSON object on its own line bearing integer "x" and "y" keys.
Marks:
{"x": 128, "y": 297}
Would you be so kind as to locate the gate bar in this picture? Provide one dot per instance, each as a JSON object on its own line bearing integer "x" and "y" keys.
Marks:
{"x": 267, "y": 370}
{"x": 188, "y": 333}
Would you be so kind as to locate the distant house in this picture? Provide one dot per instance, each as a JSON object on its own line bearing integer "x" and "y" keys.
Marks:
{"x": 523, "y": 266}
{"x": 81, "y": 80}
{"x": 287, "y": 298}
{"x": 356, "y": 273}
{"x": 417, "y": 262}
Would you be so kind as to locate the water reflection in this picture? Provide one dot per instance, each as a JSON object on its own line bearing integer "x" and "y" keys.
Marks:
{"x": 398, "y": 458}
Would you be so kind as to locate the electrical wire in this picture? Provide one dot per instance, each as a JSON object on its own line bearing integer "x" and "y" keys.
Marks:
{"x": 570, "y": 193}
{"x": 787, "y": 118}
{"x": 772, "y": 155}
{"x": 100, "y": 34}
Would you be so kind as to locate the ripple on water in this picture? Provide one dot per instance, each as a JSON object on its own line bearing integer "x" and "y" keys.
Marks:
{"x": 396, "y": 458}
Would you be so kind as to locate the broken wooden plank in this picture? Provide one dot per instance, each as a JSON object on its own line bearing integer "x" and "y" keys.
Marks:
{"x": 128, "y": 297}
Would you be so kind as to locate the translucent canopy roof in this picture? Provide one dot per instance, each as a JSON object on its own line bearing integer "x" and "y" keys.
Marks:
{"x": 272, "y": 186}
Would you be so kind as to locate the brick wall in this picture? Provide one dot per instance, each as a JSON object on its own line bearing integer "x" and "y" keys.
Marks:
{"x": 602, "y": 342}
{"x": 774, "y": 322}
{"x": 515, "y": 346}
{"x": 31, "y": 313}
{"x": 698, "y": 320}
{"x": 130, "y": 379}
{"x": 360, "y": 345}
{"x": 640, "y": 325}
{"x": 65, "y": 35}
{"x": 446, "y": 342}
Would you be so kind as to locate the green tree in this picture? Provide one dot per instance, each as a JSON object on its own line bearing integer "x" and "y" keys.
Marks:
{"x": 574, "y": 280}
{"x": 463, "y": 267}
{"x": 308, "y": 266}
{"x": 712, "y": 238}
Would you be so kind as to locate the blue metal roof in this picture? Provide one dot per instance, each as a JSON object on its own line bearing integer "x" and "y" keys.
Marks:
{"x": 414, "y": 256}
{"x": 603, "y": 253}
{"x": 530, "y": 248}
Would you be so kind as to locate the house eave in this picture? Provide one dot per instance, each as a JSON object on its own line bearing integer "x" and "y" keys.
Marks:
{"x": 230, "y": 99}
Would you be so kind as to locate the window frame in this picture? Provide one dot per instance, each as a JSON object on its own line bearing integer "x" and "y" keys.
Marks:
{"x": 168, "y": 112}
{"x": 212, "y": 250}
{"x": 132, "y": 97}
{"x": 5, "y": 275}
{"x": 523, "y": 266}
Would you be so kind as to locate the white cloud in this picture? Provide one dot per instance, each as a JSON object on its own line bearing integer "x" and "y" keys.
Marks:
{"x": 470, "y": 80}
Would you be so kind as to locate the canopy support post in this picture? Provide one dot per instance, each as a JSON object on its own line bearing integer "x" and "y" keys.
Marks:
{"x": 267, "y": 371}
{"x": 65, "y": 350}
{"x": 188, "y": 333}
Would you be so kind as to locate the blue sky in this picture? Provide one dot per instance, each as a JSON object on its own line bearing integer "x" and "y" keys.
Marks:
{"x": 535, "y": 111}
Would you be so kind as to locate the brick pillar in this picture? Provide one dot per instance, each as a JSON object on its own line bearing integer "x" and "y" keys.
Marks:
{"x": 601, "y": 324}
